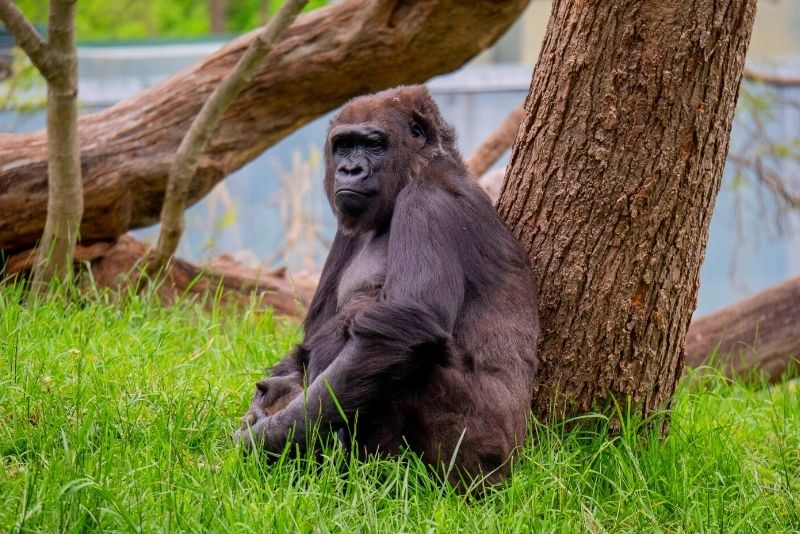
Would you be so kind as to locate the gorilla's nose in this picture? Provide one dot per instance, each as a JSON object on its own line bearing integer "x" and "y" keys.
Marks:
{"x": 349, "y": 174}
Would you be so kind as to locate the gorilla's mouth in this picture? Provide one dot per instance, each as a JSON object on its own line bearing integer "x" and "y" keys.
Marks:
{"x": 351, "y": 201}
{"x": 353, "y": 192}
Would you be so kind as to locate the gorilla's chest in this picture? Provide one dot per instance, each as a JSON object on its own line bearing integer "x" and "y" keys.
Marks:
{"x": 366, "y": 272}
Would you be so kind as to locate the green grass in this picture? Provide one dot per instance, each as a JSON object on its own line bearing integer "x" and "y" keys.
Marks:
{"x": 118, "y": 417}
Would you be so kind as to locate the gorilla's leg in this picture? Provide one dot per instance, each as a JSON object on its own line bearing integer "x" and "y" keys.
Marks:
{"x": 466, "y": 414}
{"x": 379, "y": 360}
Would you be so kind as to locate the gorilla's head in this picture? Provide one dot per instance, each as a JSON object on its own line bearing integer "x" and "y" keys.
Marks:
{"x": 375, "y": 147}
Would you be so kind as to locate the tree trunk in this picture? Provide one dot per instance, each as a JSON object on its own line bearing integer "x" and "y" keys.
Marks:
{"x": 758, "y": 334}
{"x": 325, "y": 58}
{"x": 611, "y": 186}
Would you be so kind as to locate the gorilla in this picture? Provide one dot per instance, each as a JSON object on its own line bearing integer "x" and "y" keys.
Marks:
{"x": 423, "y": 329}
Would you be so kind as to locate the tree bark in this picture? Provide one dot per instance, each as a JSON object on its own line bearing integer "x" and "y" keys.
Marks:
{"x": 758, "y": 334}
{"x": 325, "y": 58}
{"x": 184, "y": 166}
{"x": 611, "y": 186}
{"x": 57, "y": 61}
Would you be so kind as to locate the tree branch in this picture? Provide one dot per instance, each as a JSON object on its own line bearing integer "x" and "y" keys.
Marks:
{"x": 771, "y": 79}
{"x": 495, "y": 145}
{"x": 184, "y": 166}
{"x": 28, "y": 39}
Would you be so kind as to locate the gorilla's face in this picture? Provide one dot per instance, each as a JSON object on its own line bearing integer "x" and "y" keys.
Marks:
{"x": 362, "y": 154}
{"x": 374, "y": 147}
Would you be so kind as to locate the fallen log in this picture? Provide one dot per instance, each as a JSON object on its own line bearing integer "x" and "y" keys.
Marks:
{"x": 759, "y": 333}
{"x": 116, "y": 266}
{"x": 324, "y": 59}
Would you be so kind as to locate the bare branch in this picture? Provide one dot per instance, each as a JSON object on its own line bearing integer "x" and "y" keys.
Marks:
{"x": 28, "y": 39}
{"x": 496, "y": 144}
{"x": 776, "y": 184}
{"x": 771, "y": 79}
{"x": 185, "y": 164}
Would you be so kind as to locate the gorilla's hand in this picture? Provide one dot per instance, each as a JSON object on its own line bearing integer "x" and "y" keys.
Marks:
{"x": 271, "y": 396}
{"x": 266, "y": 433}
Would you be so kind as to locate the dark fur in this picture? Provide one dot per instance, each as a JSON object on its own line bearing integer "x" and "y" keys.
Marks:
{"x": 444, "y": 351}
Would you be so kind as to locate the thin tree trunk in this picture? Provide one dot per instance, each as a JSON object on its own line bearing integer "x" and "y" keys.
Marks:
{"x": 758, "y": 334}
{"x": 184, "y": 166}
{"x": 611, "y": 187}
{"x": 328, "y": 56}
{"x": 218, "y": 16}
{"x": 65, "y": 195}
{"x": 58, "y": 63}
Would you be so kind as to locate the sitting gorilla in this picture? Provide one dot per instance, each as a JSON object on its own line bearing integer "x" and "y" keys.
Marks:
{"x": 424, "y": 325}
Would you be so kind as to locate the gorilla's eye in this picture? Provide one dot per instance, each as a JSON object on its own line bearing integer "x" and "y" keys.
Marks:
{"x": 342, "y": 146}
{"x": 375, "y": 144}
{"x": 416, "y": 130}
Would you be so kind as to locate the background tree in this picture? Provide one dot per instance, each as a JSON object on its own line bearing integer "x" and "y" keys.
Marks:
{"x": 218, "y": 14}
{"x": 57, "y": 60}
{"x": 611, "y": 187}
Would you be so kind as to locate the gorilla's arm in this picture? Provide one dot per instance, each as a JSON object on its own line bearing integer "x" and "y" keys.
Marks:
{"x": 396, "y": 339}
{"x": 321, "y": 323}
{"x": 321, "y": 315}
{"x": 426, "y": 256}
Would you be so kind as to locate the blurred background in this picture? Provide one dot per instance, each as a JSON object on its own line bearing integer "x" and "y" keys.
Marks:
{"x": 273, "y": 211}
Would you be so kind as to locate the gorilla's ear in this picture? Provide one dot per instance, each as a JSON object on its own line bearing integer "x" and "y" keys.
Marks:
{"x": 437, "y": 131}
{"x": 427, "y": 114}
{"x": 421, "y": 122}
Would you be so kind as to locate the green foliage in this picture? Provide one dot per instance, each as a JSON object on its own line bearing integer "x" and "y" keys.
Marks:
{"x": 25, "y": 89}
{"x": 118, "y": 416}
{"x": 244, "y": 14}
{"x": 144, "y": 19}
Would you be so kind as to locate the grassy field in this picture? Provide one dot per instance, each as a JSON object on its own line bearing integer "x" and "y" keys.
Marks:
{"x": 118, "y": 417}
